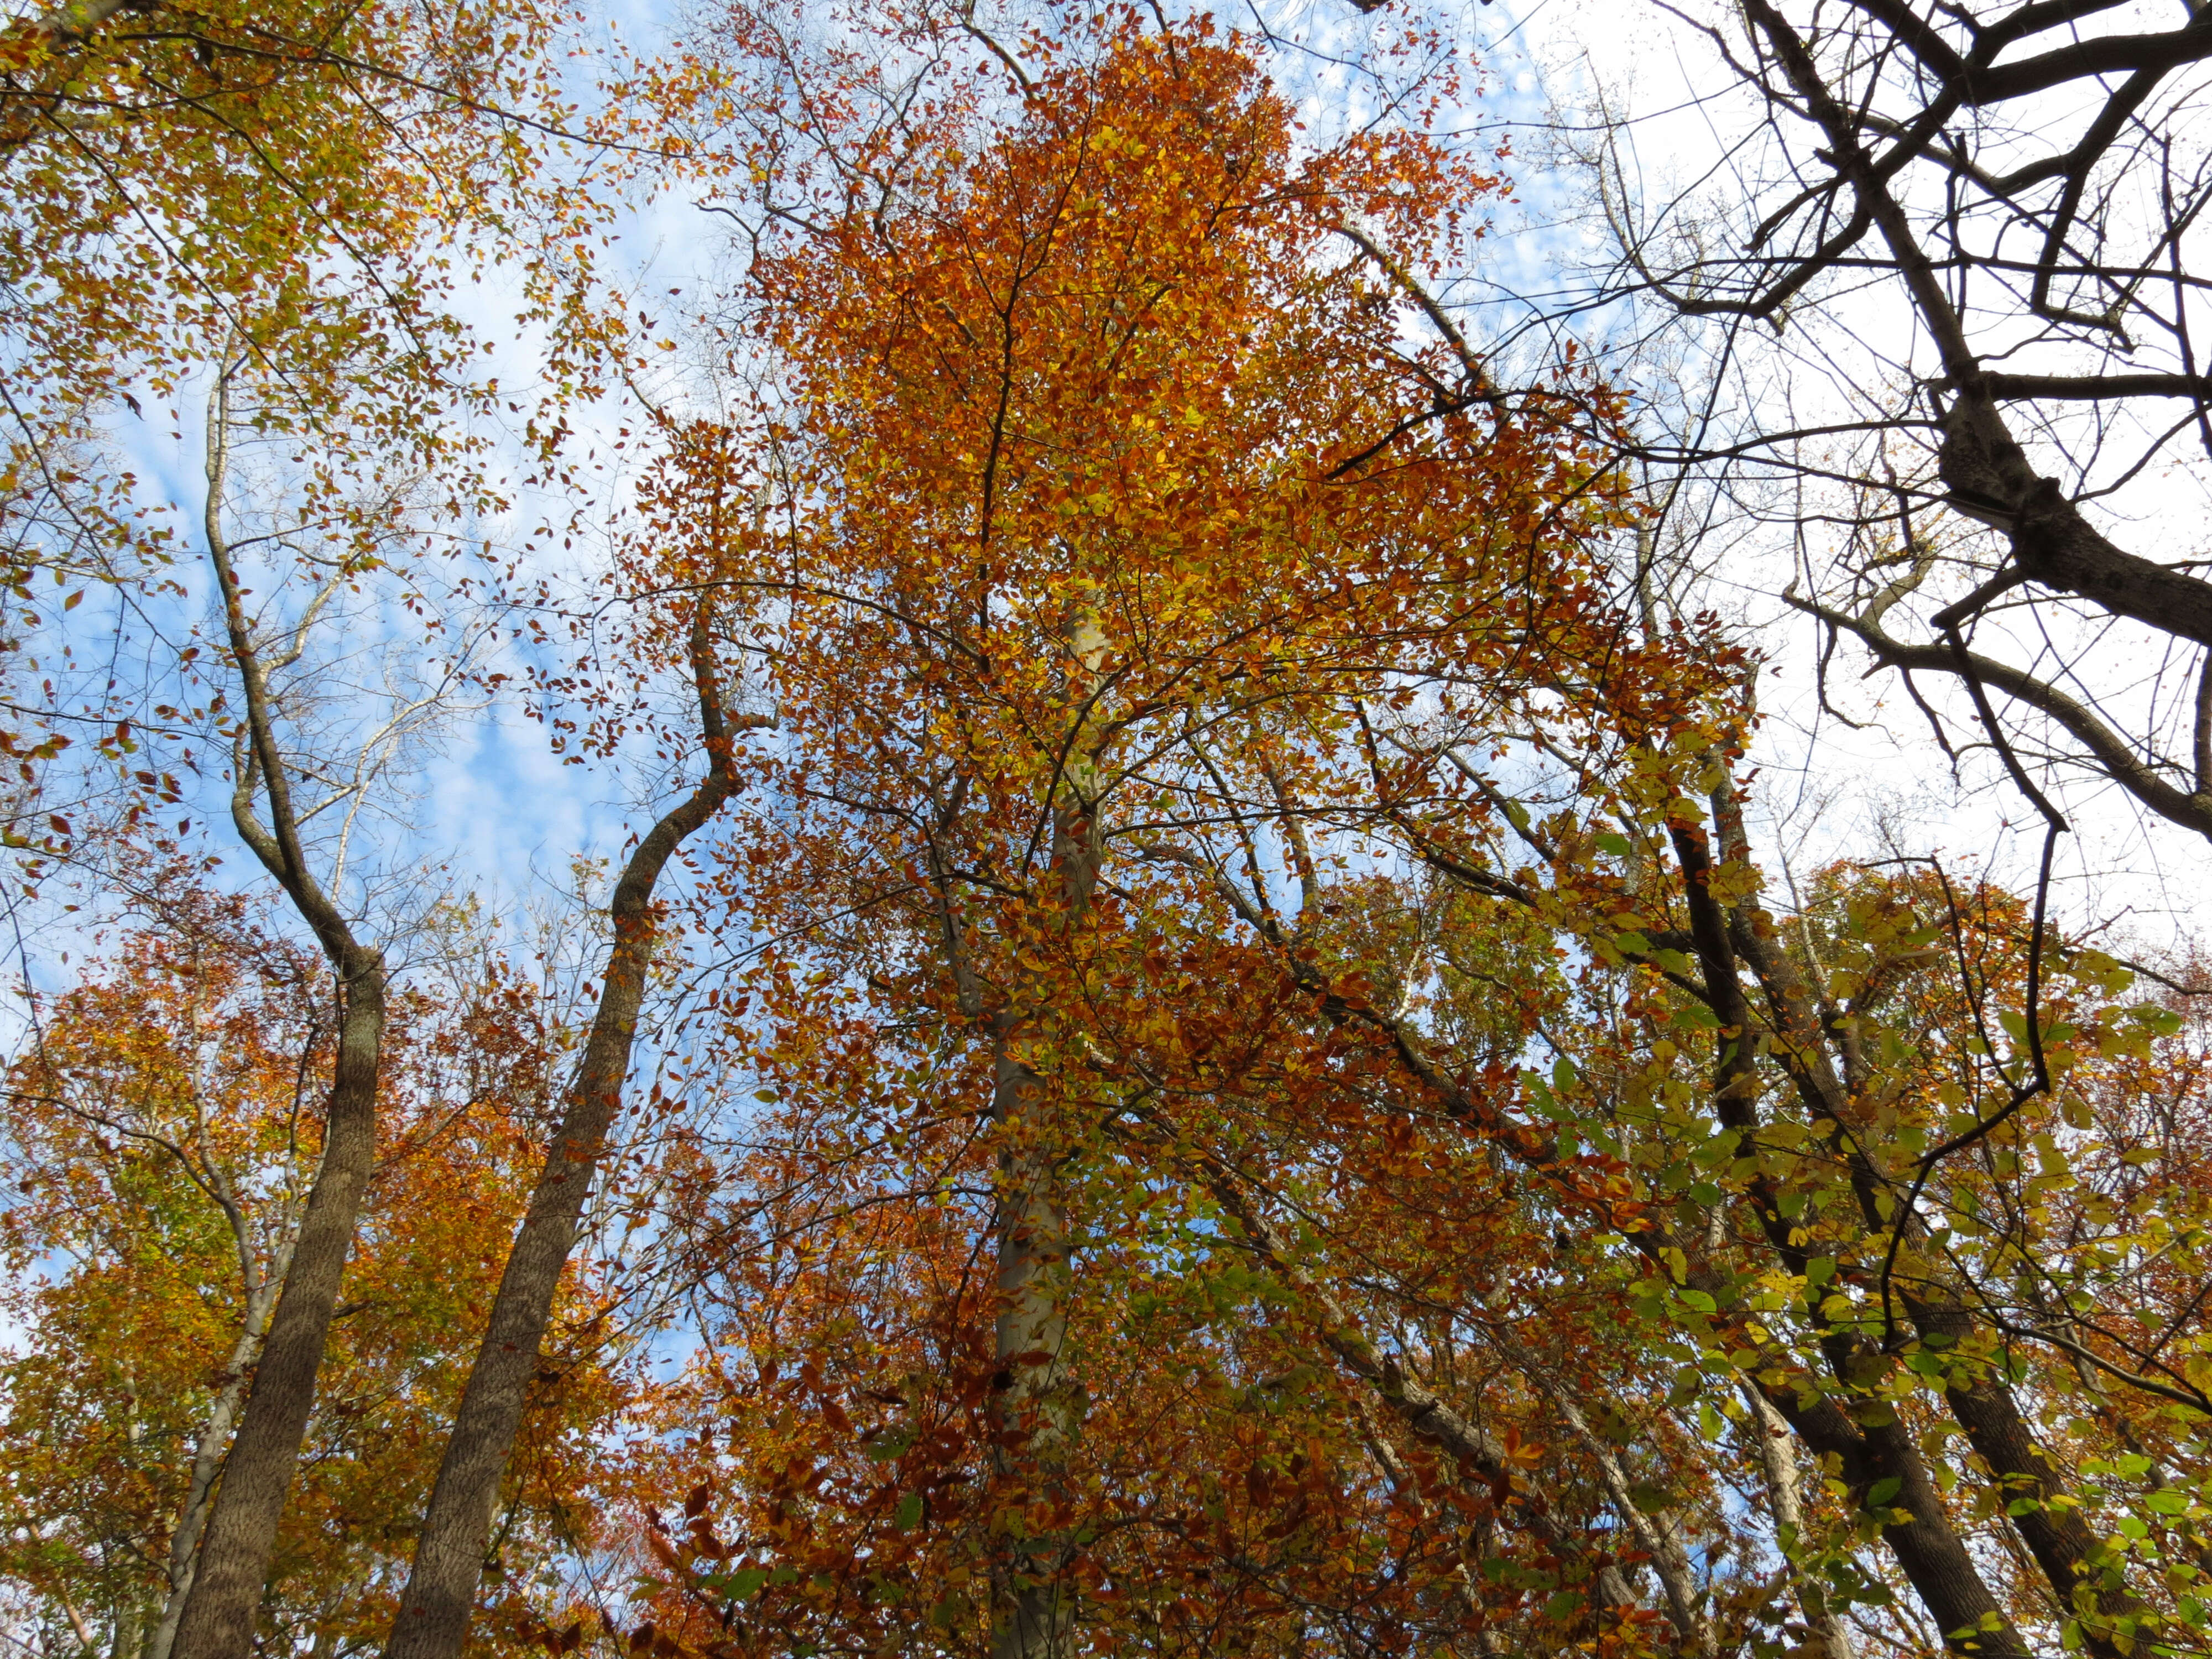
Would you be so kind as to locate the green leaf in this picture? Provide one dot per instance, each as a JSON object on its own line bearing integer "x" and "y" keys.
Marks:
{"x": 742, "y": 1585}
{"x": 909, "y": 1512}
{"x": 1616, "y": 845}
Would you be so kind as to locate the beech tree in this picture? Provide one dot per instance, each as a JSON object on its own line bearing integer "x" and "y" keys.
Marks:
{"x": 1244, "y": 1084}
{"x": 1100, "y": 525}
{"x": 1709, "y": 1309}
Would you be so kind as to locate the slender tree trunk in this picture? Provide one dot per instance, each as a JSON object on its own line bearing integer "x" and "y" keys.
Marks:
{"x": 1656, "y": 1535}
{"x": 1778, "y": 1461}
{"x": 449, "y": 1556}
{"x": 259, "y": 1288}
{"x": 219, "y": 1614}
{"x": 130, "y": 1631}
{"x": 207, "y": 1458}
{"x": 2052, "y": 1525}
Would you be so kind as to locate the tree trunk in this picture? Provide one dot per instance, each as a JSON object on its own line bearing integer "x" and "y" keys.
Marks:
{"x": 207, "y": 1458}
{"x": 218, "y": 1619}
{"x": 2054, "y": 1531}
{"x": 449, "y": 1556}
{"x": 1778, "y": 1461}
{"x": 1036, "y": 1407}
{"x": 219, "y": 1614}
{"x": 1033, "y": 1407}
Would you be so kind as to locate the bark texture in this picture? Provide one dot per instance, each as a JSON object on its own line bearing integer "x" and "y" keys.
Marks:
{"x": 449, "y": 1556}
{"x": 1034, "y": 1406}
{"x": 183, "y": 1566}
{"x": 219, "y": 1612}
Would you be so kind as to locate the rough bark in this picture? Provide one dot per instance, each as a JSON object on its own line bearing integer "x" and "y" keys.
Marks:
{"x": 218, "y": 1619}
{"x": 219, "y": 1614}
{"x": 449, "y": 1556}
{"x": 259, "y": 1286}
{"x": 207, "y": 1458}
{"x": 2048, "y": 1522}
{"x": 1924, "y": 1544}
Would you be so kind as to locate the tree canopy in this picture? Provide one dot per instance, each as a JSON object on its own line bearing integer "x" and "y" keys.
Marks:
{"x": 1178, "y": 1025}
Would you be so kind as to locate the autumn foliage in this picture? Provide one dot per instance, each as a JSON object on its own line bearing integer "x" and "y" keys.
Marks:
{"x": 1218, "y": 1068}
{"x": 163, "y": 1137}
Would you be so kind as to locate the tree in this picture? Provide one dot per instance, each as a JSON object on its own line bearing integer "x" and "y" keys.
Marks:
{"x": 1923, "y": 1249}
{"x": 1746, "y": 1227}
{"x": 1968, "y": 231}
{"x": 270, "y": 199}
{"x": 1288, "y": 1113}
{"x": 233, "y": 1555}
{"x": 434, "y": 1612}
{"x": 163, "y": 1133}
{"x": 1108, "y": 502}
{"x": 1834, "y": 1056}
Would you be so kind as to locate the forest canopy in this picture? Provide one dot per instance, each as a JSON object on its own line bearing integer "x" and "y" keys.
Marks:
{"x": 1153, "y": 975}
